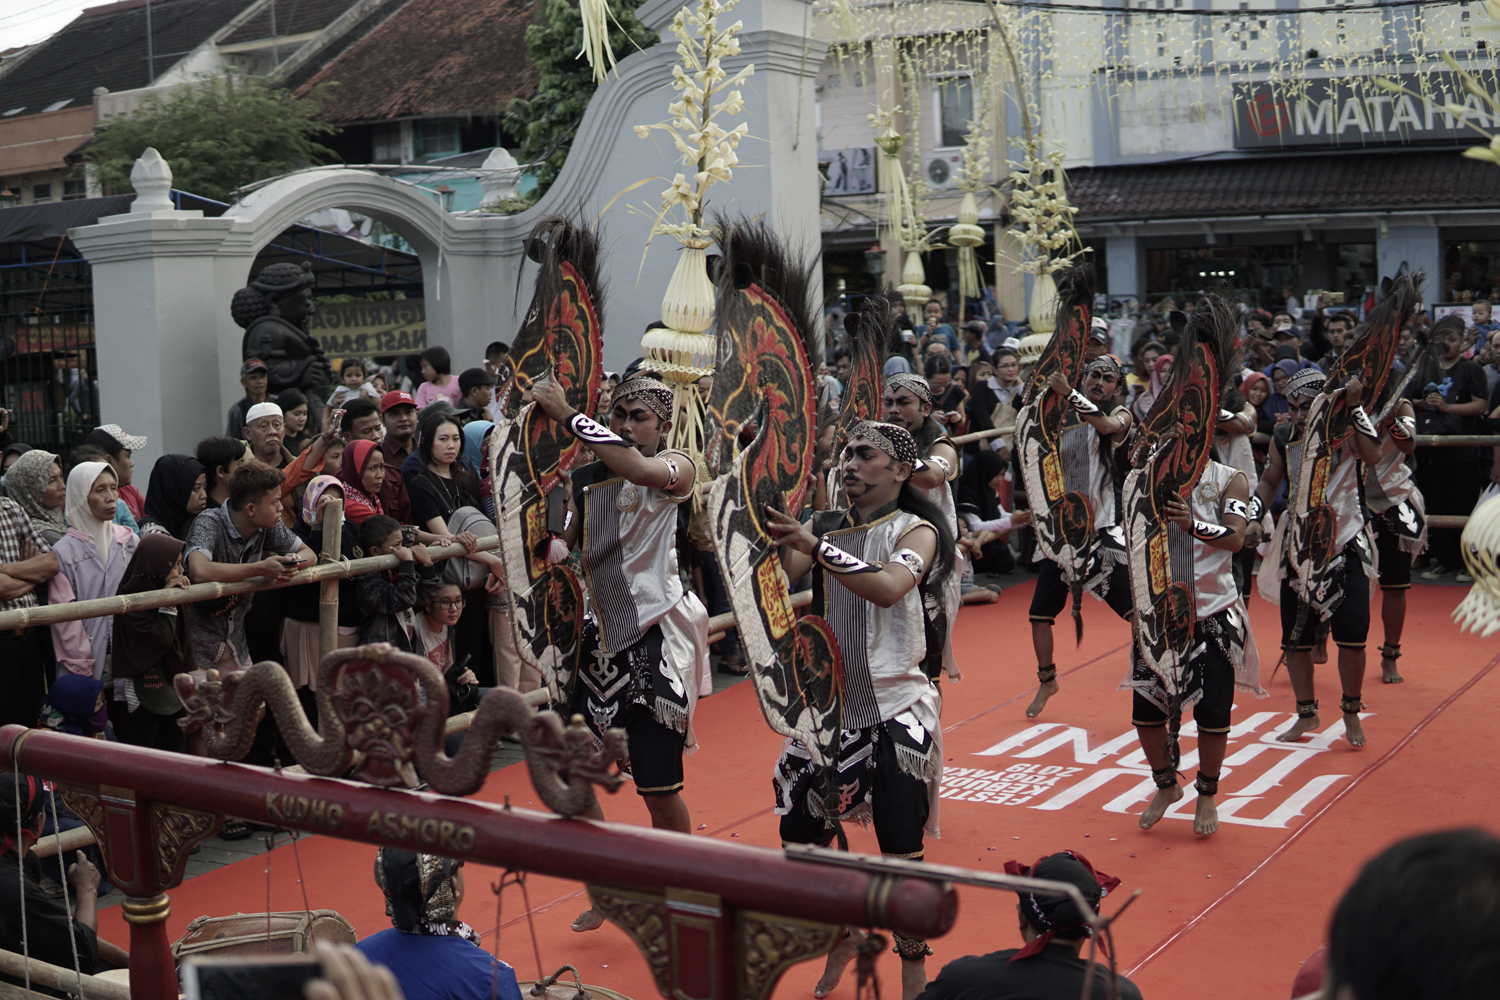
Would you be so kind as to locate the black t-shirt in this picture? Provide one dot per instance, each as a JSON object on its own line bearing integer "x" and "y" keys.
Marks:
{"x": 1054, "y": 974}
{"x": 432, "y": 496}
{"x": 1464, "y": 382}
{"x": 48, "y": 926}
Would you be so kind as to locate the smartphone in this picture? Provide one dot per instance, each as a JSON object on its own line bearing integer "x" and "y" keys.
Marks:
{"x": 408, "y": 535}
{"x": 557, "y": 510}
{"x": 248, "y": 978}
{"x": 291, "y": 560}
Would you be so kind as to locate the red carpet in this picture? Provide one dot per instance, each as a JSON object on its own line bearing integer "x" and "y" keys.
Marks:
{"x": 1227, "y": 916}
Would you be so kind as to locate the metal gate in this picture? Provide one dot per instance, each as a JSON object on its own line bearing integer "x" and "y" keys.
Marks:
{"x": 49, "y": 372}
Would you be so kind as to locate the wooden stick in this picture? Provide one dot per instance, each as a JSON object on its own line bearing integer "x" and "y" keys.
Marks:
{"x": 145, "y": 600}
{"x": 55, "y": 977}
{"x": 328, "y": 594}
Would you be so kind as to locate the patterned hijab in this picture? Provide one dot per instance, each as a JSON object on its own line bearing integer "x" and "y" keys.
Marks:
{"x": 27, "y": 483}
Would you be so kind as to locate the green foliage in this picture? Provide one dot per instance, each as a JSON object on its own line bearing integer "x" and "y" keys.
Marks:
{"x": 566, "y": 83}
{"x": 218, "y": 135}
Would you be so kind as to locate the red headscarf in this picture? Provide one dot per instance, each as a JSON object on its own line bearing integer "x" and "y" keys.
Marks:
{"x": 358, "y": 505}
{"x": 1037, "y": 915}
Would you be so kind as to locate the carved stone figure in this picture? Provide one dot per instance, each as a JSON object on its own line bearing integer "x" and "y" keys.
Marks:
{"x": 273, "y": 310}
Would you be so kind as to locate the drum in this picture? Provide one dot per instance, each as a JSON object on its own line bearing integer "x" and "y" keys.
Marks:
{"x": 245, "y": 934}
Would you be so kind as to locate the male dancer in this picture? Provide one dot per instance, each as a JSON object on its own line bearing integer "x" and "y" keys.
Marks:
{"x": 907, "y": 403}
{"x": 1225, "y": 656}
{"x": 643, "y": 652}
{"x": 868, "y": 563}
{"x": 1400, "y": 520}
{"x": 1097, "y": 426}
{"x": 1349, "y": 615}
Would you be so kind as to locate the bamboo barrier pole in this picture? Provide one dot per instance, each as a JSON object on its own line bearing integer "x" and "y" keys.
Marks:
{"x": 718, "y": 623}
{"x": 993, "y": 432}
{"x": 328, "y": 594}
{"x": 71, "y": 840}
{"x": 148, "y": 599}
{"x": 55, "y": 977}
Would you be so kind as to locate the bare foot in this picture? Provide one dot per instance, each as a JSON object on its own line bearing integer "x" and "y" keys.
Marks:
{"x": 1299, "y": 727}
{"x": 1354, "y": 730}
{"x": 838, "y": 960}
{"x": 1160, "y": 803}
{"x": 1206, "y": 817}
{"x": 588, "y": 920}
{"x": 1044, "y": 691}
{"x": 913, "y": 978}
{"x": 1389, "y": 672}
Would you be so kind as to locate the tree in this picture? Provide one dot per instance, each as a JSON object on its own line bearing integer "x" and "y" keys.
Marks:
{"x": 546, "y": 122}
{"x": 218, "y": 134}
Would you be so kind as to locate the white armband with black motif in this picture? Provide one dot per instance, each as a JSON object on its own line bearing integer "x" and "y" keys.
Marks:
{"x": 674, "y": 472}
{"x": 591, "y": 431}
{"x": 1363, "y": 423}
{"x": 940, "y": 463}
{"x": 1257, "y": 508}
{"x": 1083, "y": 404}
{"x": 1404, "y": 428}
{"x": 1237, "y": 507}
{"x": 840, "y": 563}
{"x": 912, "y": 561}
{"x": 1225, "y": 416}
{"x": 1204, "y": 531}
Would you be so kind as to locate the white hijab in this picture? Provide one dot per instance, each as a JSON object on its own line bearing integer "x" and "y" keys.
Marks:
{"x": 80, "y": 481}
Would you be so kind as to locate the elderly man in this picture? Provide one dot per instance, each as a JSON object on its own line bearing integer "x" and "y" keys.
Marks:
{"x": 265, "y": 427}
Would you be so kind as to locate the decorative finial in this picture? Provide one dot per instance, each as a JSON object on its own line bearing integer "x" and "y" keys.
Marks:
{"x": 152, "y": 179}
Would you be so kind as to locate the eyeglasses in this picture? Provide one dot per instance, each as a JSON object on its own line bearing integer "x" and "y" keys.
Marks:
{"x": 453, "y": 605}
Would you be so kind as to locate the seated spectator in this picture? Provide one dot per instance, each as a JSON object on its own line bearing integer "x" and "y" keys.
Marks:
{"x": 177, "y": 494}
{"x": 36, "y": 483}
{"x": 432, "y": 954}
{"x": 386, "y": 598}
{"x": 1053, "y": 931}
{"x": 50, "y": 933}
{"x": 436, "y": 638}
{"x": 978, "y": 500}
{"x": 1420, "y": 922}
{"x": 118, "y": 446}
{"x": 91, "y": 562}
{"x": 219, "y": 456}
{"x": 75, "y": 705}
{"x": 151, "y": 647}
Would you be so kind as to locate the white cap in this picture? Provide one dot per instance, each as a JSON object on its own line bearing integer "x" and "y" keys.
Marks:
{"x": 261, "y": 410}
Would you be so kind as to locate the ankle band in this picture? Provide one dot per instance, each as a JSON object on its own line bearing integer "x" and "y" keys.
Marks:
{"x": 1047, "y": 673}
{"x": 910, "y": 949}
{"x": 1351, "y": 705}
{"x": 1391, "y": 651}
{"x": 1307, "y": 709}
{"x": 1206, "y": 785}
{"x": 1164, "y": 778}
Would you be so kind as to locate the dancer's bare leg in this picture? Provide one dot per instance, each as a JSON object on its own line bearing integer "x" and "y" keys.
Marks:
{"x": 1352, "y": 674}
{"x": 913, "y": 978}
{"x": 1299, "y": 667}
{"x": 838, "y": 960}
{"x": 1041, "y": 641}
{"x": 1211, "y": 748}
{"x": 590, "y": 919}
{"x": 1393, "y": 617}
{"x": 1154, "y": 743}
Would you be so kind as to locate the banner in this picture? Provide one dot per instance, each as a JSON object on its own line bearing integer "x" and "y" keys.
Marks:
{"x": 1353, "y": 112}
{"x": 398, "y": 326}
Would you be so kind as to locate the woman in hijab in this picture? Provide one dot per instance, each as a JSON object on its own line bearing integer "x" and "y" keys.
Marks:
{"x": 178, "y": 492}
{"x": 299, "y": 633}
{"x": 362, "y": 472}
{"x": 1146, "y": 398}
{"x": 1257, "y": 391}
{"x": 91, "y": 562}
{"x": 9, "y": 456}
{"x": 979, "y": 507}
{"x": 1276, "y": 406}
{"x": 150, "y": 646}
{"x": 76, "y": 705}
{"x": 36, "y": 483}
{"x": 477, "y": 454}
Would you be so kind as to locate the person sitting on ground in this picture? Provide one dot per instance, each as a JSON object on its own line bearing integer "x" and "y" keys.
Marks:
{"x": 386, "y": 598}
{"x": 436, "y": 638}
{"x": 1050, "y": 965}
{"x": 75, "y": 705}
{"x": 978, "y": 504}
{"x": 432, "y": 954}
{"x": 119, "y": 446}
{"x": 177, "y": 494}
{"x": 219, "y": 456}
{"x": 1420, "y": 922}
{"x": 50, "y": 934}
{"x": 439, "y": 383}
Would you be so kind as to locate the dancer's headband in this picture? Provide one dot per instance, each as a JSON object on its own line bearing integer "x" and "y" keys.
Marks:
{"x": 916, "y": 384}
{"x": 1307, "y": 382}
{"x": 656, "y": 396}
{"x": 893, "y": 440}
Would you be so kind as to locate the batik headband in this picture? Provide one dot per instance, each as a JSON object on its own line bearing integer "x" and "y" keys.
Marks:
{"x": 1105, "y": 363}
{"x": 916, "y": 383}
{"x": 656, "y": 396}
{"x": 893, "y": 440}
{"x": 1307, "y": 382}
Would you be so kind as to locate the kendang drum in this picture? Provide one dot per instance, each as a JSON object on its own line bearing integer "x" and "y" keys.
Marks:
{"x": 245, "y": 934}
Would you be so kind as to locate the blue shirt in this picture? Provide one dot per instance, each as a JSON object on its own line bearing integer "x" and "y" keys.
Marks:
{"x": 437, "y": 967}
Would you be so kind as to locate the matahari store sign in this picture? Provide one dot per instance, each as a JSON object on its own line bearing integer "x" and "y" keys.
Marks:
{"x": 1355, "y": 112}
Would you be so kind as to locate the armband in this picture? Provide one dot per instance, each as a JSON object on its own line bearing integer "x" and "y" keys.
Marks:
{"x": 1206, "y": 532}
{"x": 840, "y": 563}
{"x": 1362, "y": 423}
{"x": 591, "y": 431}
{"x": 1257, "y": 508}
{"x": 1082, "y": 404}
{"x": 940, "y": 463}
{"x": 673, "y": 472}
{"x": 1225, "y": 416}
{"x": 1237, "y": 507}
{"x": 1404, "y": 428}
{"x": 911, "y": 561}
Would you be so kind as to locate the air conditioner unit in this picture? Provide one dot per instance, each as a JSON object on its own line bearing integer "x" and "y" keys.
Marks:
{"x": 943, "y": 170}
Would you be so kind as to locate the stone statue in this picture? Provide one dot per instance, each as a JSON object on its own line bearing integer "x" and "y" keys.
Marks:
{"x": 273, "y": 310}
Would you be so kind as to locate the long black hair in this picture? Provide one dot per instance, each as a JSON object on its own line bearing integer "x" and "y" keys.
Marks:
{"x": 911, "y": 500}
{"x": 427, "y": 428}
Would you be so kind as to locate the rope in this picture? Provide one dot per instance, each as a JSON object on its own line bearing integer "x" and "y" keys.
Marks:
{"x": 21, "y": 882}
{"x": 62, "y": 868}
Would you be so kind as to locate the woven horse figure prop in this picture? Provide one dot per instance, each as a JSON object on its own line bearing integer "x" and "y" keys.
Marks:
{"x": 373, "y": 717}
{"x": 867, "y": 328}
{"x": 764, "y": 366}
{"x": 1167, "y": 456}
{"x": 1311, "y": 538}
{"x": 561, "y": 339}
{"x": 1056, "y": 487}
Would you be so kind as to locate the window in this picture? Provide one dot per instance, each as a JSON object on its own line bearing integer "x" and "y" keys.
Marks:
{"x": 41, "y": 192}
{"x": 436, "y": 138}
{"x": 955, "y": 108}
{"x": 385, "y": 143}
{"x": 74, "y": 190}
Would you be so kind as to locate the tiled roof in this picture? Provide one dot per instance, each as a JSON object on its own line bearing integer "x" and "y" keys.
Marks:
{"x": 293, "y": 17}
{"x": 434, "y": 57}
{"x": 1375, "y": 181}
{"x": 106, "y": 47}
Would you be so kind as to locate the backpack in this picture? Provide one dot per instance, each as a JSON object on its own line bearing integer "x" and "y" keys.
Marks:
{"x": 467, "y": 573}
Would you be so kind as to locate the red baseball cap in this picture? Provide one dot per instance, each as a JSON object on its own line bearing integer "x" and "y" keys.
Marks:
{"x": 396, "y": 397}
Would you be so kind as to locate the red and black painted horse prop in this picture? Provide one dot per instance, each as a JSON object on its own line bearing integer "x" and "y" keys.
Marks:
{"x": 867, "y": 328}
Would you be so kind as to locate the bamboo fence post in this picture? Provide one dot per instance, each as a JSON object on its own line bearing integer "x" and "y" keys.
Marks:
{"x": 328, "y": 595}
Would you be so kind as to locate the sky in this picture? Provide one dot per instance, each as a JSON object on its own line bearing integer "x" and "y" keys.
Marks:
{"x": 23, "y": 22}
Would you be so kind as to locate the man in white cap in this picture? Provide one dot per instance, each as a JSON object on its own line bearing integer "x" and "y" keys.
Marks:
{"x": 265, "y": 427}
{"x": 118, "y": 446}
